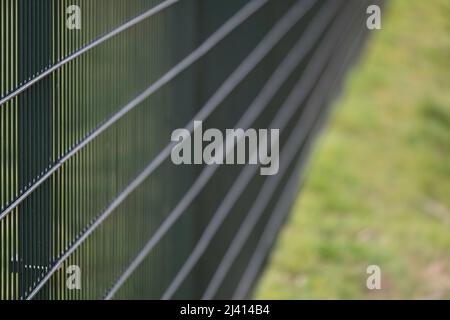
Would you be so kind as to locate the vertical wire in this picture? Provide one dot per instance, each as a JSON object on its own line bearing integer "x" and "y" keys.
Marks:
{"x": 3, "y": 275}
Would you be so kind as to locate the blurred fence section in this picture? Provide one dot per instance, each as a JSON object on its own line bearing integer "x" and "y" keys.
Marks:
{"x": 86, "y": 120}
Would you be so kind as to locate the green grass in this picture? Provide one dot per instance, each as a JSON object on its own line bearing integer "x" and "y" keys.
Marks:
{"x": 378, "y": 187}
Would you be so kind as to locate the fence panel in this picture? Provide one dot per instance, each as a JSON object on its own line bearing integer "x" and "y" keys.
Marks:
{"x": 86, "y": 120}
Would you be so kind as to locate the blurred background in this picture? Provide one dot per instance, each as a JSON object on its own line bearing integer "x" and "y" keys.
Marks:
{"x": 377, "y": 191}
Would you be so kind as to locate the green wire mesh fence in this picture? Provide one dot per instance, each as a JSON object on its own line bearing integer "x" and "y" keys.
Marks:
{"x": 86, "y": 118}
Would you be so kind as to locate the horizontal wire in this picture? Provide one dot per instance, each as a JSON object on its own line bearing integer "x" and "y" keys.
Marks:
{"x": 282, "y": 206}
{"x": 251, "y": 114}
{"x": 210, "y": 43}
{"x": 267, "y": 190}
{"x": 238, "y": 75}
{"x": 287, "y": 110}
{"x": 136, "y": 20}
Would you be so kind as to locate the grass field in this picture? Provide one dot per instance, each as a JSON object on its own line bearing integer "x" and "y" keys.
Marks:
{"x": 378, "y": 186}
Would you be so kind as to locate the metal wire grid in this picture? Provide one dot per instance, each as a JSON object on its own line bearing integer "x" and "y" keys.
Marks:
{"x": 85, "y": 174}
